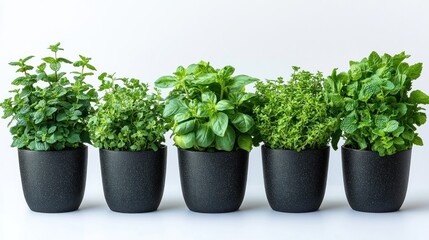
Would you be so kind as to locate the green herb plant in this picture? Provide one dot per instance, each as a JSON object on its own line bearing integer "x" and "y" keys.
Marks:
{"x": 48, "y": 111}
{"x": 375, "y": 105}
{"x": 294, "y": 115}
{"x": 208, "y": 109}
{"x": 128, "y": 117}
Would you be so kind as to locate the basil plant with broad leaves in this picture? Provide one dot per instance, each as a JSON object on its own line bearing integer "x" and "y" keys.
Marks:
{"x": 295, "y": 115}
{"x": 48, "y": 111}
{"x": 209, "y": 110}
{"x": 128, "y": 117}
{"x": 373, "y": 99}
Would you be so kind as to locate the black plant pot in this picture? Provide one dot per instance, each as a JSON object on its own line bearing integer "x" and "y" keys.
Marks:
{"x": 133, "y": 182}
{"x": 213, "y": 182}
{"x": 295, "y": 181}
{"x": 373, "y": 183}
{"x": 53, "y": 181}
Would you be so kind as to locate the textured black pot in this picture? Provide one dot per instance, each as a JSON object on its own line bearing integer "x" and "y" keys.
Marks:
{"x": 295, "y": 181}
{"x": 373, "y": 183}
{"x": 133, "y": 182}
{"x": 53, "y": 181}
{"x": 213, "y": 182}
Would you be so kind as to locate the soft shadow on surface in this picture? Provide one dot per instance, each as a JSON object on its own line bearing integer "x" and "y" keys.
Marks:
{"x": 253, "y": 204}
{"x": 91, "y": 206}
{"x": 415, "y": 206}
{"x": 332, "y": 205}
{"x": 170, "y": 205}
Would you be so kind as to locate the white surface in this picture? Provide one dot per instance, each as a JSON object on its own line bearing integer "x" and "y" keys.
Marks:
{"x": 262, "y": 38}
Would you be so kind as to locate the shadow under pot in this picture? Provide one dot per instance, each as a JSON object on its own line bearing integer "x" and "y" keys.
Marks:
{"x": 295, "y": 182}
{"x": 133, "y": 182}
{"x": 213, "y": 182}
{"x": 374, "y": 183}
{"x": 53, "y": 181}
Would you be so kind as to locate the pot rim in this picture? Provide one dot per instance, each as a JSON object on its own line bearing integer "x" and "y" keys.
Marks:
{"x": 344, "y": 147}
{"x": 217, "y": 151}
{"x": 82, "y": 147}
{"x": 289, "y": 150}
{"x": 162, "y": 147}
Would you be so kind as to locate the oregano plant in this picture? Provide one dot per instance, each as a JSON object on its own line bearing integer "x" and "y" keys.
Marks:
{"x": 49, "y": 110}
{"x": 128, "y": 117}
{"x": 378, "y": 110}
{"x": 294, "y": 114}
{"x": 209, "y": 110}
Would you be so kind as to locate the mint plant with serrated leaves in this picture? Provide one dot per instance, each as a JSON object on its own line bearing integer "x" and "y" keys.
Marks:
{"x": 128, "y": 117}
{"x": 49, "y": 111}
{"x": 378, "y": 110}
{"x": 294, "y": 115}
{"x": 209, "y": 110}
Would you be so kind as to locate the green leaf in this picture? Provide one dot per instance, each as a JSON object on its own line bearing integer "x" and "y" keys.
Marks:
{"x": 204, "y": 136}
{"x": 49, "y": 60}
{"x": 206, "y": 79}
{"x": 418, "y": 96}
{"x": 414, "y": 71}
{"x": 38, "y": 117}
{"x": 219, "y": 123}
{"x": 185, "y": 141}
{"x": 184, "y": 127}
{"x": 52, "y": 129}
{"x": 224, "y": 105}
{"x": 356, "y": 72}
{"x": 245, "y": 142}
{"x": 73, "y": 138}
{"x": 243, "y": 122}
{"x": 55, "y": 66}
{"x": 166, "y": 82}
{"x": 240, "y": 81}
{"x": 209, "y": 97}
{"x": 418, "y": 141}
{"x": 348, "y": 125}
{"x": 62, "y": 117}
{"x": 227, "y": 142}
{"x": 391, "y": 126}
{"x": 174, "y": 106}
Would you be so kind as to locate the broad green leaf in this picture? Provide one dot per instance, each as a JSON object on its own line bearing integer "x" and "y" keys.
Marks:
{"x": 55, "y": 66}
{"x": 391, "y": 126}
{"x": 224, "y": 105}
{"x": 204, "y": 136}
{"x": 184, "y": 127}
{"x": 227, "y": 142}
{"x": 355, "y": 71}
{"x": 243, "y": 122}
{"x": 206, "y": 79}
{"x": 166, "y": 82}
{"x": 348, "y": 125}
{"x": 209, "y": 97}
{"x": 418, "y": 96}
{"x": 245, "y": 142}
{"x": 174, "y": 106}
{"x": 73, "y": 138}
{"x": 418, "y": 141}
{"x": 240, "y": 81}
{"x": 414, "y": 71}
{"x": 185, "y": 141}
{"x": 219, "y": 123}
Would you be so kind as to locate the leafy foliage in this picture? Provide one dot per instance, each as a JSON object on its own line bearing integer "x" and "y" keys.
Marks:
{"x": 373, "y": 101}
{"x": 208, "y": 108}
{"x": 294, "y": 115}
{"x": 49, "y": 111}
{"x": 127, "y": 118}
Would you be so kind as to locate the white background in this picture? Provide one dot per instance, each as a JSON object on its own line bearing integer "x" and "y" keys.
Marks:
{"x": 148, "y": 39}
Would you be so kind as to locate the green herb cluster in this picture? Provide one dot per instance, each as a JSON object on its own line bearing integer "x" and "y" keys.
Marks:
{"x": 128, "y": 118}
{"x": 209, "y": 109}
{"x": 48, "y": 110}
{"x": 373, "y": 101}
{"x": 294, "y": 115}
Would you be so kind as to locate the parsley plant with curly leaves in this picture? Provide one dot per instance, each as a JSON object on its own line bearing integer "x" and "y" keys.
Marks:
{"x": 372, "y": 98}
{"x": 209, "y": 109}
{"x": 49, "y": 111}
{"x": 128, "y": 117}
{"x": 294, "y": 115}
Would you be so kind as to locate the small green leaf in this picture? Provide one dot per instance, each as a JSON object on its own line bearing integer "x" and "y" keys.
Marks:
{"x": 391, "y": 126}
{"x": 204, "y": 136}
{"x": 224, "y": 105}
{"x": 52, "y": 129}
{"x": 209, "y": 97}
{"x": 418, "y": 141}
{"x": 240, "y": 81}
{"x": 206, "y": 79}
{"x": 227, "y": 142}
{"x": 414, "y": 71}
{"x": 418, "y": 96}
{"x": 73, "y": 138}
{"x": 185, "y": 141}
{"x": 356, "y": 72}
{"x": 348, "y": 125}
{"x": 245, "y": 142}
{"x": 55, "y": 66}
{"x": 184, "y": 127}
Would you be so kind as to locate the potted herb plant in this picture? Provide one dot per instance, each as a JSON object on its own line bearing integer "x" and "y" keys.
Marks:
{"x": 294, "y": 121}
{"x": 129, "y": 129}
{"x": 213, "y": 126}
{"x": 49, "y": 115}
{"x": 379, "y": 116}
